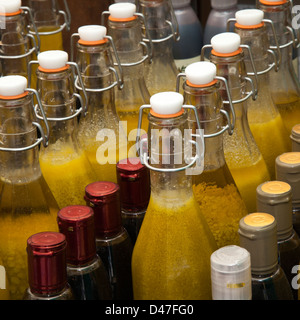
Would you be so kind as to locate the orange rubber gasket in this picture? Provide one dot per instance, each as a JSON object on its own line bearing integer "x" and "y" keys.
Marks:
{"x": 165, "y": 116}
{"x": 92, "y": 43}
{"x": 54, "y": 70}
{"x": 255, "y": 26}
{"x": 122, "y": 19}
{"x": 19, "y": 96}
{"x": 271, "y": 3}
{"x": 231, "y": 54}
{"x": 201, "y": 85}
{"x": 11, "y": 13}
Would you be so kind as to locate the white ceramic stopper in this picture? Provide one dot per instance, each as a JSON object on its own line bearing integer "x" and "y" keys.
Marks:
{"x": 10, "y": 6}
{"x": 53, "y": 59}
{"x": 12, "y": 85}
{"x": 201, "y": 73}
{"x": 166, "y": 103}
{"x": 226, "y": 42}
{"x": 92, "y": 32}
{"x": 122, "y": 10}
{"x": 249, "y": 17}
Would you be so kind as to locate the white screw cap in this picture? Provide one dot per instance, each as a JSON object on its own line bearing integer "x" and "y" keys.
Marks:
{"x": 53, "y": 59}
{"x": 226, "y": 42}
{"x": 92, "y": 32}
{"x": 201, "y": 73}
{"x": 166, "y": 103}
{"x": 12, "y": 85}
{"x": 122, "y": 10}
{"x": 249, "y": 17}
{"x": 10, "y": 6}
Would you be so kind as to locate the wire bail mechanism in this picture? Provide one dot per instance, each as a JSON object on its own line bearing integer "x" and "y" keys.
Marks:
{"x": 198, "y": 159}
{"x": 83, "y": 106}
{"x": 230, "y": 123}
{"x": 44, "y": 138}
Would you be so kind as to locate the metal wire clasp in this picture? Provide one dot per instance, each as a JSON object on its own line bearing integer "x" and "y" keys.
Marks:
{"x": 197, "y": 160}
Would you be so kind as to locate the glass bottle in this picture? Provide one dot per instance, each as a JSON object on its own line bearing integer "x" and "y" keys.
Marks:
{"x": 64, "y": 164}
{"x": 163, "y": 29}
{"x": 27, "y": 205}
{"x": 86, "y": 273}
{"x": 214, "y": 189}
{"x": 188, "y": 48}
{"x": 95, "y": 62}
{"x": 295, "y": 138}
{"x": 171, "y": 257}
{"x": 113, "y": 243}
{"x": 134, "y": 182}
{"x": 288, "y": 170}
{"x": 125, "y": 23}
{"x": 275, "y": 198}
{"x": 217, "y": 18}
{"x": 242, "y": 154}
{"x": 264, "y": 119}
{"x": 258, "y": 235}
{"x": 17, "y": 46}
{"x": 50, "y": 22}
{"x": 47, "y": 268}
{"x": 4, "y": 285}
{"x": 284, "y": 84}
{"x": 231, "y": 274}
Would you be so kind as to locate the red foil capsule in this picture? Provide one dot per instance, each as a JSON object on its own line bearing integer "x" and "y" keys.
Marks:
{"x": 77, "y": 224}
{"x": 104, "y": 198}
{"x": 47, "y": 269}
{"x": 134, "y": 181}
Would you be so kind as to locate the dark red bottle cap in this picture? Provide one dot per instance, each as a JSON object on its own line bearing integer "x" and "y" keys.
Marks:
{"x": 47, "y": 269}
{"x": 77, "y": 224}
{"x": 134, "y": 181}
{"x": 104, "y": 198}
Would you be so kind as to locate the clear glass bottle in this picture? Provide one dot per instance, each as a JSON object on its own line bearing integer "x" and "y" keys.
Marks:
{"x": 231, "y": 274}
{"x": 125, "y": 23}
{"x": 188, "y": 48}
{"x": 17, "y": 46}
{"x": 242, "y": 154}
{"x": 258, "y": 235}
{"x": 64, "y": 164}
{"x": 47, "y": 267}
{"x": 27, "y": 205}
{"x": 50, "y": 21}
{"x": 214, "y": 189}
{"x": 284, "y": 84}
{"x": 288, "y": 170}
{"x": 295, "y": 138}
{"x": 265, "y": 121}
{"x": 113, "y": 243}
{"x": 177, "y": 263}
{"x": 163, "y": 29}
{"x": 275, "y": 198}
{"x": 86, "y": 273}
{"x": 217, "y": 19}
{"x": 95, "y": 62}
{"x": 134, "y": 181}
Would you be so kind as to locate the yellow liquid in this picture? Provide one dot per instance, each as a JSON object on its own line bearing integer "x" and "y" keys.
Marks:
{"x": 247, "y": 178}
{"x": 4, "y": 292}
{"x": 289, "y": 110}
{"x": 67, "y": 175}
{"x": 272, "y": 140}
{"x": 52, "y": 41}
{"x": 171, "y": 258}
{"x": 222, "y": 208}
{"x": 18, "y": 223}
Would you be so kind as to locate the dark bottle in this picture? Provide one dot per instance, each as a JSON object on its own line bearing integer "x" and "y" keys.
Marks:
{"x": 47, "y": 267}
{"x": 134, "y": 181}
{"x": 113, "y": 243}
{"x": 258, "y": 235}
{"x": 87, "y": 275}
{"x": 275, "y": 198}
